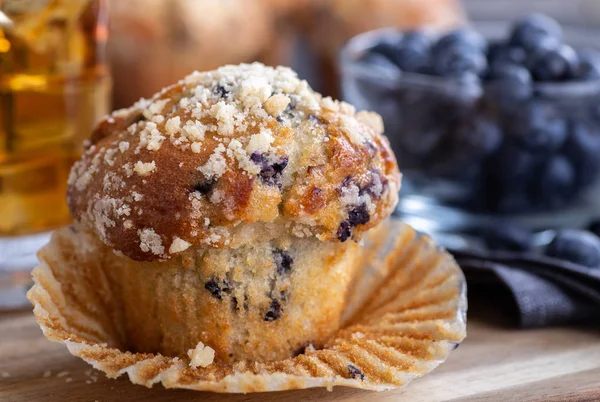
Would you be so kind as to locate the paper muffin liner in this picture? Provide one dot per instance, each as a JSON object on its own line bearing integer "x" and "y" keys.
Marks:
{"x": 406, "y": 312}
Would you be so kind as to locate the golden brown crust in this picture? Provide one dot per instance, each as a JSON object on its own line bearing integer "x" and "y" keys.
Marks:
{"x": 225, "y": 156}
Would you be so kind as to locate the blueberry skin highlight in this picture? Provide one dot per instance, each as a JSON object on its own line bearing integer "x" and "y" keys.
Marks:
{"x": 539, "y": 128}
{"x": 557, "y": 64}
{"x": 463, "y": 37}
{"x": 531, "y": 30}
{"x": 413, "y": 52}
{"x": 513, "y": 81}
{"x": 577, "y": 246}
{"x": 457, "y": 60}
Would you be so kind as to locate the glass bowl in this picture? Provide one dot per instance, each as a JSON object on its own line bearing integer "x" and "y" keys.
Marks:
{"x": 477, "y": 154}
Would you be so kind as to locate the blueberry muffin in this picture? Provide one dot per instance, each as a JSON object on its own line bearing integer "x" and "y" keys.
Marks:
{"x": 225, "y": 207}
{"x": 173, "y": 38}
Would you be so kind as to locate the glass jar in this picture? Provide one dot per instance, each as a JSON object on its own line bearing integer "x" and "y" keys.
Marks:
{"x": 475, "y": 155}
{"x": 54, "y": 87}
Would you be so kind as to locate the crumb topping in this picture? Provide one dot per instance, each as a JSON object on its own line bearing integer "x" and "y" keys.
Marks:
{"x": 216, "y": 164}
{"x": 201, "y": 356}
{"x": 276, "y": 104}
{"x": 150, "y": 241}
{"x": 144, "y": 168}
{"x": 178, "y": 245}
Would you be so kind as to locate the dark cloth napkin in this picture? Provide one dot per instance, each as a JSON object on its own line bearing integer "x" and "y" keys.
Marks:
{"x": 545, "y": 291}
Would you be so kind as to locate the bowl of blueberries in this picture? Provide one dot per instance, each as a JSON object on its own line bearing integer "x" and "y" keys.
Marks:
{"x": 487, "y": 129}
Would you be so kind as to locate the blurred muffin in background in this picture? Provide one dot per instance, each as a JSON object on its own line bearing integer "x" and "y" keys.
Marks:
{"x": 332, "y": 22}
{"x": 153, "y": 43}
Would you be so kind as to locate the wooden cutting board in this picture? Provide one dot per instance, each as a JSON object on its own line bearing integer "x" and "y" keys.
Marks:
{"x": 493, "y": 364}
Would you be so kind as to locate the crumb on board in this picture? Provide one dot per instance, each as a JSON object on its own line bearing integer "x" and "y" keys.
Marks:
{"x": 201, "y": 356}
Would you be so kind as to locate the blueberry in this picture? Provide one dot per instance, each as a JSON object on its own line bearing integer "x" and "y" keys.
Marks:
{"x": 508, "y": 237}
{"x": 556, "y": 184}
{"x": 504, "y": 53}
{"x": 283, "y": 261}
{"x": 463, "y": 37}
{"x": 412, "y": 54}
{"x": 589, "y": 65}
{"x": 513, "y": 80}
{"x": 469, "y": 81}
{"x": 510, "y": 173}
{"x": 375, "y": 186}
{"x": 358, "y": 215}
{"x": 315, "y": 119}
{"x": 205, "y": 187}
{"x": 512, "y": 201}
{"x": 543, "y": 46}
{"x": 539, "y": 129}
{"x": 457, "y": 60}
{"x": 355, "y": 373}
{"x": 554, "y": 65}
{"x": 257, "y": 158}
{"x": 292, "y": 105}
{"x": 478, "y": 137}
{"x": 274, "y": 312}
{"x": 387, "y": 47}
{"x": 221, "y": 91}
{"x": 465, "y": 146}
{"x": 279, "y": 166}
{"x": 577, "y": 246}
{"x": 583, "y": 149}
{"x": 534, "y": 28}
{"x": 512, "y": 163}
{"x": 344, "y": 231}
{"x": 269, "y": 172}
{"x": 378, "y": 62}
{"x": 217, "y": 287}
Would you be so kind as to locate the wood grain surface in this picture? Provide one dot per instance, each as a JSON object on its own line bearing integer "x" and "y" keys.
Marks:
{"x": 493, "y": 364}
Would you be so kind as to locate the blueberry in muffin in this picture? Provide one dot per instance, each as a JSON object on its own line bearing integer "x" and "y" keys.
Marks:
{"x": 223, "y": 210}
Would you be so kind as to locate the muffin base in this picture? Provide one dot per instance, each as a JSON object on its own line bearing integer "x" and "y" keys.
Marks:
{"x": 406, "y": 314}
{"x": 266, "y": 301}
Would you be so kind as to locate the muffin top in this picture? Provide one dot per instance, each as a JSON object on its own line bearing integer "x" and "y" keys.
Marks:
{"x": 229, "y": 157}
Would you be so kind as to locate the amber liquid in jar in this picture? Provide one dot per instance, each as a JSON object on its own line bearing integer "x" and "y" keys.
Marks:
{"x": 54, "y": 86}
